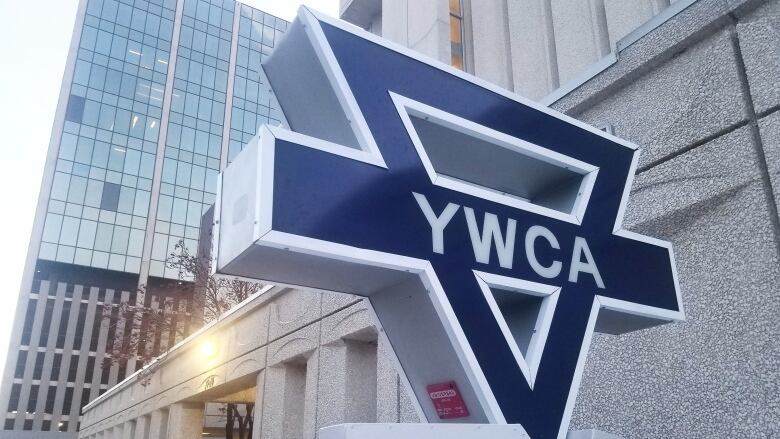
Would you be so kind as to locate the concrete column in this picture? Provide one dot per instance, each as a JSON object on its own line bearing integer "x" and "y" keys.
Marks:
{"x": 532, "y": 40}
{"x": 230, "y": 86}
{"x": 151, "y": 219}
{"x": 32, "y": 352}
{"x": 422, "y": 25}
{"x": 623, "y": 16}
{"x": 387, "y": 404}
{"x": 257, "y": 429}
{"x": 581, "y": 35}
{"x": 289, "y": 411}
{"x": 491, "y": 42}
{"x": 128, "y": 430}
{"x": 429, "y": 28}
{"x": 51, "y": 343}
{"x": 394, "y": 21}
{"x": 158, "y": 425}
{"x": 332, "y": 382}
{"x": 141, "y": 428}
{"x": 185, "y": 420}
{"x": 70, "y": 336}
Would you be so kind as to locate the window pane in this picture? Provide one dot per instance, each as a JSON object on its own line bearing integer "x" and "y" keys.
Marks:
{"x": 179, "y": 210}
{"x": 146, "y": 168}
{"x": 110, "y": 197}
{"x": 59, "y": 188}
{"x": 70, "y": 230}
{"x": 21, "y": 363}
{"x": 455, "y": 30}
{"x": 116, "y": 158}
{"x": 126, "y": 199}
{"x": 84, "y": 150}
{"x": 455, "y": 7}
{"x": 136, "y": 243}
{"x": 106, "y": 120}
{"x": 165, "y": 208}
{"x": 77, "y": 189}
{"x": 159, "y": 249}
{"x": 100, "y": 155}
{"x": 87, "y": 234}
{"x": 132, "y": 162}
{"x": 38, "y": 367}
{"x": 91, "y": 113}
{"x": 103, "y": 237}
{"x": 141, "y": 207}
{"x": 119, "y": 242}
{"x": 68, "y": 146}
{"x": 94, "y": 193}
{"x": 75, "y": 109}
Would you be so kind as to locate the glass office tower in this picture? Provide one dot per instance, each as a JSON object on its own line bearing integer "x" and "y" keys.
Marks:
{"x": 157, "y": 97}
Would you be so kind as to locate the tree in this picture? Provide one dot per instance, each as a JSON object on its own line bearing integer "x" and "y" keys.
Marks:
{"x": 155, "y": 321}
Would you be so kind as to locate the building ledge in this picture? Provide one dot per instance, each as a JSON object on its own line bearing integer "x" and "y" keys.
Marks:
{"x": 360, "y": 12}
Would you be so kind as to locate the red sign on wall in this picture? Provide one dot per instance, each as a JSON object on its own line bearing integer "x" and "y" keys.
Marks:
{"x": 447, "y": 400}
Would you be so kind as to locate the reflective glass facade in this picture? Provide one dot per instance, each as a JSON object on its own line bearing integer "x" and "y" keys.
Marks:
{"x": 100, "y": 195}
{"x": 194, "y": 140}
{"x": 138, "y": 145}
{"x": 253, "y": 103}
{"x": 99, "y": 203}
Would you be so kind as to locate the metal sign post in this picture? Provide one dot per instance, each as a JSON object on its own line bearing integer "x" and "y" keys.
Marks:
{"x": 485, "y": 230}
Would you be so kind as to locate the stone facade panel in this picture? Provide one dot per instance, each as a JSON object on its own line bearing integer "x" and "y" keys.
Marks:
{"x": 759, "y": 33}
{"x": 685, "y": 379}
{"x": 692, "y": 96}
{"x": 770, "y": 135}
{"x": 292, "y": 310}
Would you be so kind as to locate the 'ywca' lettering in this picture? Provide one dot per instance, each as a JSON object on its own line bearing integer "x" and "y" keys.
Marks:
{"x": 491, "y": 234}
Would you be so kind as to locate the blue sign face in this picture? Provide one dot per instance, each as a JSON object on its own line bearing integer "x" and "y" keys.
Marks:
{"x": 510, "y": 213}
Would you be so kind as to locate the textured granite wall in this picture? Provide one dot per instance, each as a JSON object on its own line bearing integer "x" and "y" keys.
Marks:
{"x": 701, "y": 95}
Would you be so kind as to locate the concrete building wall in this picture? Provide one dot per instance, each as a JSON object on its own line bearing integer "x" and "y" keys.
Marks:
{"x": 420, "y": 24}
{"x": 534, "y": 55}
{"x": 532, "y": 47}
{"x": 696, "y": 94}
{"x": 491, "y": 43}
{"x": 306, "y": 359}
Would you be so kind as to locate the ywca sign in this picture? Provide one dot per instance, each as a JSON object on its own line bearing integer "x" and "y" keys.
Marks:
{"x": 484, "y": 230}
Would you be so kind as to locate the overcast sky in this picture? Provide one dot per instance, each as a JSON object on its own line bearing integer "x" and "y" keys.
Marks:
{"x": 34, "y": 40}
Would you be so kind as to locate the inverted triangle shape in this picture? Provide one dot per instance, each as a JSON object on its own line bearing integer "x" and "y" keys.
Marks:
{"x": 523, "y": 311}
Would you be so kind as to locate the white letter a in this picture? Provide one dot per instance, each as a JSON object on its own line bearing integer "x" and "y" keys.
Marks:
{"x": 589, "y": 266}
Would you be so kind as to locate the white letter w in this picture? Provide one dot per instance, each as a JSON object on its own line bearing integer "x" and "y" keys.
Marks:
{"x": 491, "y": 232}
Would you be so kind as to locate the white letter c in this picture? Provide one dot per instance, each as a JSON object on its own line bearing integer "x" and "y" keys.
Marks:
{"x": 530, "y": 239}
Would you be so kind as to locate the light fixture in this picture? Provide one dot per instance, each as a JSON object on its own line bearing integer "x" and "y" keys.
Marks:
{"x": 135, "y": 120}
{"x": 134, "y": 52}
{"x": 208, "y": 349}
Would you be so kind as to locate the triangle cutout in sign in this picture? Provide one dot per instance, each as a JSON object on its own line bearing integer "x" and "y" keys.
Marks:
{"x": 524, "y": 312}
